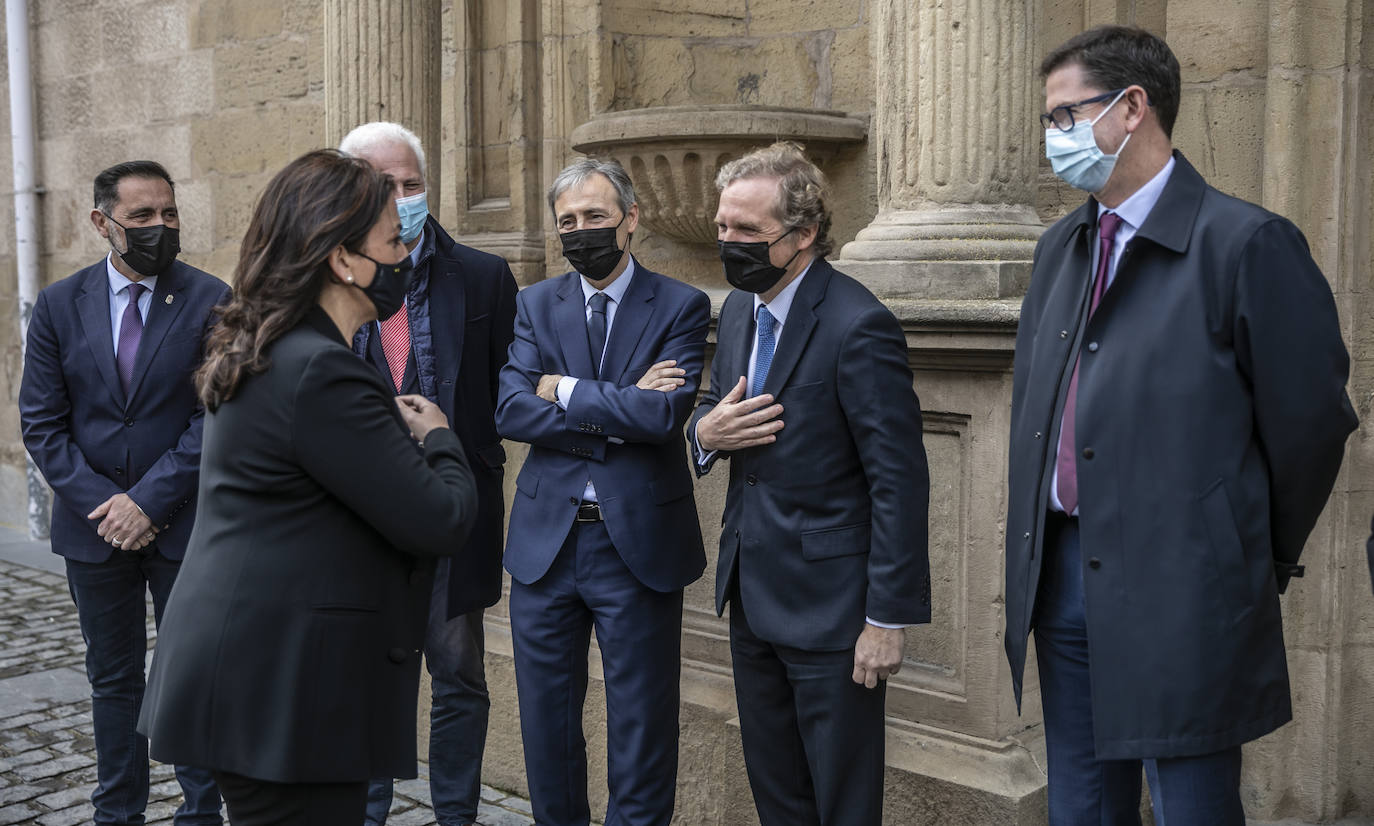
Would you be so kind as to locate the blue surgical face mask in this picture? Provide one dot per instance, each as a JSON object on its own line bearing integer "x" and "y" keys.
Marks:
{"x": 413, "y": 209}
{"x": 1075, "y": 156}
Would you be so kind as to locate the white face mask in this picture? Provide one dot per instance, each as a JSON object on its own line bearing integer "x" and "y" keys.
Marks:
{"x": 1075, "y": 157}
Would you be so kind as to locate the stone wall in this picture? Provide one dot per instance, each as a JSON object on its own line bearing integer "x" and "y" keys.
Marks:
{"x": 936, "y": 209}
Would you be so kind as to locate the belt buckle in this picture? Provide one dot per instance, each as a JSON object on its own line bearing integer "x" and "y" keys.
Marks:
{"x": 589, "y": 512}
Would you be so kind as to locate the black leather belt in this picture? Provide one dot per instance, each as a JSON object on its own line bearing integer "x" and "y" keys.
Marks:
{"x": 589, "y": 512}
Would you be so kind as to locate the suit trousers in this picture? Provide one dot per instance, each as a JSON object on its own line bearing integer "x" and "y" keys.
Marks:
{"x": 639, "y": 633}
{"x": 813, "y": 738}
{"x": 1084, "y": 791}
{"x": 110, "y": 599}
{"x": 454, "y": 650}
{"x": 263, "y": 803}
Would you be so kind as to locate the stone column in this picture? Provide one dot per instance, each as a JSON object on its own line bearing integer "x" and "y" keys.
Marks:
{"x": 382, "y": 63}
{"x": 955, "y": 134}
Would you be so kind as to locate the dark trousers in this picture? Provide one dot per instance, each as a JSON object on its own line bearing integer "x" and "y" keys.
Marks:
{"x": 454, "y": 649}
{"x": 260, "y": 803}
{"x": 639, "y": 631}
{"x": 1084, "y": 791}
{"x": 813, "y": 738}
{"x": 110, "y": 602}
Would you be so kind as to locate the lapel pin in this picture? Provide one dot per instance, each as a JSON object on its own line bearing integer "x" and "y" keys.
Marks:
{"x": 168, "y": 299}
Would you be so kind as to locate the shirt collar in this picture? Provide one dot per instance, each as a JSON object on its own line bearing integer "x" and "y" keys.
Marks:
{"x": 616, "y": 291}
{"x": 1135, "y": 209}
{"x": 119, "y": 282}
{"x": 782, "y": 302}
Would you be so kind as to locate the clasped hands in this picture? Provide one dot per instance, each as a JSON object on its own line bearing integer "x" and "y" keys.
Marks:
{"x": 663, "y": 376}
{"x": 123, "y": 523}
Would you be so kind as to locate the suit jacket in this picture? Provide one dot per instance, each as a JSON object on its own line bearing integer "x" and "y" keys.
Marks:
{"x": 469, "y": 315}
{"x": 827, "y": 525}
{"x": 642, "y": 480}
{"x": 88, "y": 439}
{"x": 1211, "y": 420}
{"x": 290, "y": 647}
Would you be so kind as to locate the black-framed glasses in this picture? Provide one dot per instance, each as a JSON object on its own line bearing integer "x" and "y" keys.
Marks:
{"x": 1061, "y": 117}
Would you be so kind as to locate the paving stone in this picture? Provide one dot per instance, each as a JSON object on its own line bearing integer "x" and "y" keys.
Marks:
{"x": 63, "y": 798}
{"x": 518, "y": 805}
{"x": 19, "y": 793}
{"x": 17, "y": 813}
{"x": 28, "y": 758}
{"x": 418, "y": 816}
{"x": 68, "y": 817}
{"x": 489, "y": 815}
{"x": 54, "y": 767}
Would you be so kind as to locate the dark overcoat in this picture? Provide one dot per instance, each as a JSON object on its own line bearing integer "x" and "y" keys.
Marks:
{"x": 1211, "y": 421}
{"x": 290, "y": 647}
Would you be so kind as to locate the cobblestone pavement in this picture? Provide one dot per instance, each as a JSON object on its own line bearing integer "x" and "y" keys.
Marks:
{"x": 47, "y": 751}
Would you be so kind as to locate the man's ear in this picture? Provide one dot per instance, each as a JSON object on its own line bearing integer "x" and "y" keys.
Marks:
{"x": 806, "y": 236}
{"x": 101, "y": 223}
{"x": 1137, "y": 102}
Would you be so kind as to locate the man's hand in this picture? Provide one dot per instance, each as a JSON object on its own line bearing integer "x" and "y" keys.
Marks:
{"x": 123, "y": 523}
{"x": 736, "y": 422}
{"x": 664, "y": 376}
{"x": 877, "y": 654}
{"x": 548, "y": 388}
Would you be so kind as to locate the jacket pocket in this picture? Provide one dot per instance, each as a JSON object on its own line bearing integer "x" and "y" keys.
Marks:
{"x": 527, "y": 483}
{"x": 828, "y": 543}
{"x": 1227, "y": 552}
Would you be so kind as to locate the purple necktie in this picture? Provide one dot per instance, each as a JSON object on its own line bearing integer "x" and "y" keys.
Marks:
{"x": 1066, "y": 461}
{"x": 130, "y": 333}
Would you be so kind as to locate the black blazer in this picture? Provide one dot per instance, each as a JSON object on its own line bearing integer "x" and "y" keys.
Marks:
{"x": 827, "y": 525}
{"x": 87, "y": 438}
{"x": 471, "y": 322}
{"x": 290, "y": 647}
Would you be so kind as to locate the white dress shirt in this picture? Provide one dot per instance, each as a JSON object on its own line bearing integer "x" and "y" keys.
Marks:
{"x": 119, "y": 298}
{"x": 1133, "y": 211}
{"x": 615, "y": 293}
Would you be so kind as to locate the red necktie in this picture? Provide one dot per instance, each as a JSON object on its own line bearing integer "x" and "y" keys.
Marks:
{"x": 396, "y": 345}
{"x": 1066, "y": 462}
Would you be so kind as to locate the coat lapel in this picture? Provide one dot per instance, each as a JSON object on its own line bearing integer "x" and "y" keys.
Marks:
{"x": 570, "y": 320}
{"x": 801, "y": 320}
{"x": 93, "y": 307}
{"x": 631, "y": 317}
{"x": 168, "y": 299}
{"x": 447, "y": 307}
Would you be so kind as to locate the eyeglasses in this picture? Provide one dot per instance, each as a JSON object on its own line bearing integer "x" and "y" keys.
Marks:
{"x": 1061, "y": 117}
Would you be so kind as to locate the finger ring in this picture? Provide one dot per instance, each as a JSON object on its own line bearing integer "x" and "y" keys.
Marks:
{"x": 118, "y": 542}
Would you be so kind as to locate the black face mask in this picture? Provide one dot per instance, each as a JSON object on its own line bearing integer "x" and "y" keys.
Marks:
{"x": 151, "y": 250}
{"x": 748, "y": 267}
{"x": 592, "y": 252}
{"x": 389, "y": 284}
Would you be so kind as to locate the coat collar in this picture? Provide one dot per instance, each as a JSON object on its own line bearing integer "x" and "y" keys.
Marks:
{"x": 801, "y": 320}
{"x": 1170, "y": 224}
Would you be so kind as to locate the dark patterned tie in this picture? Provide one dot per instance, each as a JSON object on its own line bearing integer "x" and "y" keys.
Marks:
{"x": 596, "y": 330}
{"x": 1066, "y": 461}
{"x": 130, "y": 334}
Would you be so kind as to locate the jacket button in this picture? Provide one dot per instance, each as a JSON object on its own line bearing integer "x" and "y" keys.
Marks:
{"x": 572, "y": 500}
{"x": 751, "y": 479}
{"x": 1094, "y": 563}
{"x": 396, "y": 655}
{"x": 1026, "y": 535}
{"x": 119, "y": 470}
{"x": 737, "y": 533}
{"x": 1037, "y": 434}
{"x": 1092, "y": 347}
{"x": 1088, "y": 453}
{"x": 128, "y": 421}
{"x": 1063, "y": 333}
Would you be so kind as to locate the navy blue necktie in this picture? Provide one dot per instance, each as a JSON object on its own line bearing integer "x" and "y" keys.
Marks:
{"x": 767, "y": 343}
{"x": 596, "y": 330}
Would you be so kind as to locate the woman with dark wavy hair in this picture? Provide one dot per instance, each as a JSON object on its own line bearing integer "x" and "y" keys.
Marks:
{"x": 288, "y": 661}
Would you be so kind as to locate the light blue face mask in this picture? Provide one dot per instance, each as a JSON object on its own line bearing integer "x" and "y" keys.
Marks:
{"x": 1075, "y": 157}
{"x": 413, "y": 209}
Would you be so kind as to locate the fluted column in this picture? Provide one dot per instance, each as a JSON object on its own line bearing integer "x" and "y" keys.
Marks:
{"x": 956, "y": 145}
{"x": 382, "y": 63}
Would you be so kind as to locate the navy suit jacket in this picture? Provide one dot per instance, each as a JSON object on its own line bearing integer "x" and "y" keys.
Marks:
{"x": 89, "y": 440}
{"x": 826, "y": 525}
{"x": 471, "y": 311}
{"x": 642, "y": 481}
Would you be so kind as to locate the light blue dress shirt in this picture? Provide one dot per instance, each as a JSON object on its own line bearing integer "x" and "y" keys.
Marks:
{"x": 119, "y": 298}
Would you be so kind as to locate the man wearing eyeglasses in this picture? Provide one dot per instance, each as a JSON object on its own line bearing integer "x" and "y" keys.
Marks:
{"x": 1178, "y": 418}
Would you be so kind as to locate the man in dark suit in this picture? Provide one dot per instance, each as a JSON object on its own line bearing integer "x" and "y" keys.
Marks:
{"x": 823, "y": 546}
{"x": 1178, "y": 418}
{"x": 602, "y": 374}
{"x": 448, "y": 344}
{"x": 110, "y": 417}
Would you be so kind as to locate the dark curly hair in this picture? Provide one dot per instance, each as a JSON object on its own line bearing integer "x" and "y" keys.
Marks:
{"x": 320, "y": 201}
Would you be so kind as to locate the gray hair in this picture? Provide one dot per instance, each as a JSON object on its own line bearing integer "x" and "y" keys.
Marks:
{"x": 581, "y": 169}
{"x": 379, "y": 133}
{"x": 801, "y": 187}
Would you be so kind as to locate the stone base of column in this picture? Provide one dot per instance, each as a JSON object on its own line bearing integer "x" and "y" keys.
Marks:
{"x": 956, "y": 253}
{"x": 523, "y": 251}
